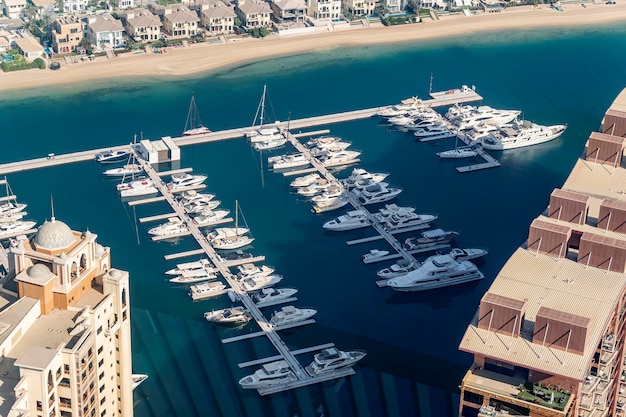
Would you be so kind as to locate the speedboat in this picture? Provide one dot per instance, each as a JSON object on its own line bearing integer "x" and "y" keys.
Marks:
{"x": 460, "y": 152}
{"x": 433, "y": 132}
{"x": 209, "y": 217}
{"x": 305, "y": 180}
{"x": 137, "y": 188}
{"x": 403, "y": 107}
{"x": 401, "y": 120}
{"x": 429, "y": 237}
{"x": 188, "y": 266}
{"x": 232, "y": 315}
{"x": 353, "y": 219}
{"x": 128, "y": 169}
{"x": 467, "y": 254}
{"x": 190, "y": 196}
{"x": 273, "y": 373}
{"x": 334, "y": 204}
{"x": 184, "y": 180}
{"x": 290, "y": 314}
{"x": 288, "y": 161}
{"x": 268, "y": 144}
{"x": 271, "y": 295}
{"x": 207, "y": 290}
{"x": 520, "y": 134}
{"x": 374, "y": 254}
{"x": 436, "y": 271}
{"x": 248, "y": 270}
{"x": 111, "y": 155}
{"x": 401, "y": 267}
{"x": 376, "y": 194}
{"x": 331, "y": 359}
{"x": 174, "y": 226}
{"x": 329, "y": 194}
{"x": 256, "y": 282}
{"x": 195, "y": 275}
{"x": 200, "y": 206}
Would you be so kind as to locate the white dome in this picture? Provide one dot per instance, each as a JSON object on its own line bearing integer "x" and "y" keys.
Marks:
{"x": 38, "y": 271}
{"x": 99, "y": 249}
{"x": 54, "y": 235}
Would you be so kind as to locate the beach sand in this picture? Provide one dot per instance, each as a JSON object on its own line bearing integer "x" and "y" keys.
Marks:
{"x": 207, "y": 56}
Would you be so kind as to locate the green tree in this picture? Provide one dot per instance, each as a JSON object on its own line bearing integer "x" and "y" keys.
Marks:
{"x": 40, "y": 63}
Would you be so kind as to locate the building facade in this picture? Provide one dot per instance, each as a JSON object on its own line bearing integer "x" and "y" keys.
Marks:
{"x": 360, "y": 7}
{"x": 65, "y": 336}
{"x": 548, "y": 336}
{"x": 67, "y": 34}
{"x": 104, "y": 31}
{"x": 254, "y": 14}
{"x": 142, "y": 25}
{"x": 324, "y": 9}
{"x": 218, "y": 19}
{"x": 180, "y": 21}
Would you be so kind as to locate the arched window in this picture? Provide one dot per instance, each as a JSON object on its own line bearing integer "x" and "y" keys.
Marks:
{"x": 123, "y": 297}
{"x": 83, "y": 262}
{"x": 74, "y": 272}
{"x": 50, "y": 381}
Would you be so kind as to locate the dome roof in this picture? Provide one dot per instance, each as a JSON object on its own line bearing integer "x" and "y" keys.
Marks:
{"x": 99, "y": 249}
{"x": 54, "y": 235}
{"x": 38, "y": 271}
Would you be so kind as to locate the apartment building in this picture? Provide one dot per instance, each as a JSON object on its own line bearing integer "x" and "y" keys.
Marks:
{"x": 67, "y": 34}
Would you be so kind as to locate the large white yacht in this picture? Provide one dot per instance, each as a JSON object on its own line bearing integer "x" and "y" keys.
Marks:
{"x": 11, "y": 228}
{"x": 333, "y": 204}
{"x": 377, "y": 194}
{"x": 436, "y": 271}
{"x": 231, "y": 315}
{"x": 430, "y": 237}
{"x": 331, "y": 359}
{"x": 200, "y": 206}
{"x": 271, "y": 295}
{"x": 288, "y": 161}
{"x": 394, "y": 217}
{"x": 195, "y": 275}
{"x": 484, "y": 114}
{"x": 128, "y": 169}
{"x": 111, "y": 155}
{"x": 184, "y": 180}
{"x": 520, "y": 134}
{"x": 353, "y": 219}
{"x": 332, "y": 192}
{"x": 305, "y": 180}
{"x": 256, "y": 282}
{"x": 269, "y": 144}
{"x": 232, "y": 242}
{"x": 137, "y": 188}
{"x": 432, "y": 132}
{"x": 338, "y": 158}
{"x": 249, "y": 270}
{"x": 189, "y": 266}
{"x": 290, "y": 314}
{"x": 173, "y": 226}
{"x": 11, "y": 207}
{"x": 222, "y": 232}
{"x": 207, "y": 290}
{"x": 318, "y": 187}
{"x": 192, "y": 196}
{"x": 209, "y": 217}
{"x": 359, "y": 174}
{"x": 273, "y": 373}
{"x": 404, "y": 107}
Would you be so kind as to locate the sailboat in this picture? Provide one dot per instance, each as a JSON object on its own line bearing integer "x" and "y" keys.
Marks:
{"x": 263, "y": 137}
{"x": 460, "y": 151}
{"x": 130, "y": 168}
{"x": 233, "y": 241}
{"x": 193, "y": 125}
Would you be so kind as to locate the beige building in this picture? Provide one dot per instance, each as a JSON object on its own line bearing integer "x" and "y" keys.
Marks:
{"x": 218, "y": 20}
{"x": 180, "y": 21}
{"x": 548, "y": 336}
{"x": 29, "y": 47}
{"x": 289, "y": 10}
{"x": 13, "y": 8}
{"x": 254, "y": 14}
{"x": 67, "y": 34}
{"x": 325, "y": 9}
{"x": 360, "y": 7}
{"x": 65, "y": 332}
{"x": 142, "y": 25}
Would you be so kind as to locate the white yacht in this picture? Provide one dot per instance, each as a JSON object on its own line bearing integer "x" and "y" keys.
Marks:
{"x": 256, "y": 282}
{"x": 359, "y": 174}
{"x": 128, "y": 169}
{"x": 484, "y": 114}
{"x": 467, "y": 254}
{"x": 353, "y": 219}
{"x": 273, "y": 373}
{"x": 422, "y": 124}
{"x": 290, "y": 314}
{"x": 173, "y": 226}
{"x": 376, "y": 194}
{"x": 430, "y": 237}
{"x": 137, "y": 380}
{"x": 184, "y": 180}
{"x": 209, "y": 217}
{"x": 332, "y": 192}
{"x": 403, "y": 107}
{"x": 10, "y": 207}
{"x": 334, "y": 204}
{"x": 288, "y": 161}
{"x": 373, "y": 255}
{"x": 195, "y": 275}
{"x": 232, "y": 315}
{"x": 200, "y": 206}
{"x": 269, "y": 144}
{"x": 331, "y": 359}
{"x": 188, "y": 266}
{"x": 207, "y": 290}
{"x": 436, "y": 271}
{"x": 232, "y": 242}
{"x": 318, "y": 187}
{"x": 17, "y": 226}
{"x": 326, "y": 141}
{"x": 222, "y": 232}
{"x": 401, "y": 267}
{"x": 520, "y": 134}
{"x": 271, "y": 295}
{"x": 261, "y": 133}
{"x": 401, "y": 120}
{"x": 459, "y": 152}
{"x": 191, "y": 196}
{"x": 433, "y": 132}
{"x": 344, "y": 157}
{"x": 137, "y": 188}
{"x": 111, "y": 156}
{"x": 248, "y": 270}
{"x": 394, "y": 218}
{"x": 305, "y": 180}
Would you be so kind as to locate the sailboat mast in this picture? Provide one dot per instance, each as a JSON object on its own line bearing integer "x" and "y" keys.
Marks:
{"x": 236, "y": 217}
{"x": 263, "y": 105}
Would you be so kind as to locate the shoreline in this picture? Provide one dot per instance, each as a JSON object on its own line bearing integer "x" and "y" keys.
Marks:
{"x": 206, "y": 56}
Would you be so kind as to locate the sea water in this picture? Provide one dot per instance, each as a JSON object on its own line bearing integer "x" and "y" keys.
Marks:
{"x": 413, "y": 366}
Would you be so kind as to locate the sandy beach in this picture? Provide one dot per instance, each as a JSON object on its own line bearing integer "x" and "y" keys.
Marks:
{"x": 207, "y": 56}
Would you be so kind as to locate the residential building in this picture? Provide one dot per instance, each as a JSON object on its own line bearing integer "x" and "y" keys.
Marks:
{"x": 180, "y": 21}
{"x": 360, "y": 7}
{"x": 126, "y": 4}
{"x": 218, "y": 19}
{"x": 45, "y": 7}
{"x": 28, "y": 46}
{"x": 287, "y": 11}
{"x": 104, "y": 31}
{"x": 254, "y": 14}
{"x": 395, "y": 6}
{"x": 70, "y": 6}
{"x": 67, "y": 34}
{"x": 548, "y": 336}
{"x": 65, "y": 329}
{"x": 325, "y": 9}
{"x": 13, "y": 8}
{"x": 142, "y": 25}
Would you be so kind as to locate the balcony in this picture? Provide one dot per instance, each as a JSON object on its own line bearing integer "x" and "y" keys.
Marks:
{"x": 590, "y": 384}
{"x": 608, "y": 343}
{"x": 112, "y": 328}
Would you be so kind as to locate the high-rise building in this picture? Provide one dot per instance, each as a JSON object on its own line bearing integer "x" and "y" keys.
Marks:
{"x": 65, "y": 347}
{"x": 548, "y": 336}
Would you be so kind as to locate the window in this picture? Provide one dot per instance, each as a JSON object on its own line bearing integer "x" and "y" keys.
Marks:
{"x": 66, "y": 368}
{"x": 38, "y": 405}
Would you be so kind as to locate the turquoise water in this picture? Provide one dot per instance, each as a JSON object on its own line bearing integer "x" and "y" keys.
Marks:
{"x": 413, "y": 366}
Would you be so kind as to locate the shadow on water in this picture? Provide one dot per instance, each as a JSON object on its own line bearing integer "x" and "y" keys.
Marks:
{"x": 436, "y": 299}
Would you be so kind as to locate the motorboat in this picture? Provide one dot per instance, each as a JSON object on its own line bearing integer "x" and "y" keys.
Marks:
{"x": 484, "y": 114}
{"x": 208, "y": 290}
{"x": 430, "y": 237}
{"x": 222, "y": 232}
{"x": 173, "y": 226}
{"x": 193, "y": 125}
{"x": 231, "y": 315}
{"x": 128, "y": 169}
{"x": 329, "y": 194}
{"x": 402, "y": 108}
{"x": 236, "y": 255}
{"x": 9, "y": 208}
{"x": 376, "y": 194}
{"x": 111, "y": 155}
{"x": 432, "y": 132}
{"x": 191, "y": 196}
{"x": 271, "y": 295}
{"x": 195, "y": 275}
{"x": 467, "y": 254}
{"x": 359, "y": 185}
{"x": 520, "y": 134}
{"x": 256, "y": 282}
{"x": 248, "y": 270}
{"x": 353, "y": 219}
{"x": 290, "y": 314}
{"x": 374, "y": 254}
{"x": 478, "y": 131}
{"x": 187, "y": 266}
{"x": 200, "y": 206}
{"x": 288, "y": 161}
{"x": 359, "y": 174}
{"x": 394, "y": 218}
{"x": 459, "y": 152}
{"x": 11, "y": 228}
{"x": 137, "y": 188}
{"x": 232, "y": 242}
{"x": 334, "y": 204}
{"x": 330, "y": 148}
{"x": 305, "y": 180}
{"x": 331, "y": 359}
{"x": 435, "y": 272}
{"x": 137, "y": 379}
{"x": 457, "y": 110}
{"x": 209, "y": 217}
{"x": 184, "y": 180}
{"x": 269, "y": 144}
{"x": 318, "y": 187}
{"x": 325, "y": 141}
{"x": 12, "y": 217}
{"x": 401, "y": 120}
{"x": 401, "y": 267}
{"x": 419, "y": 124}
{"x": 273, "y": 373}
{"x": 344, "y": 157}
